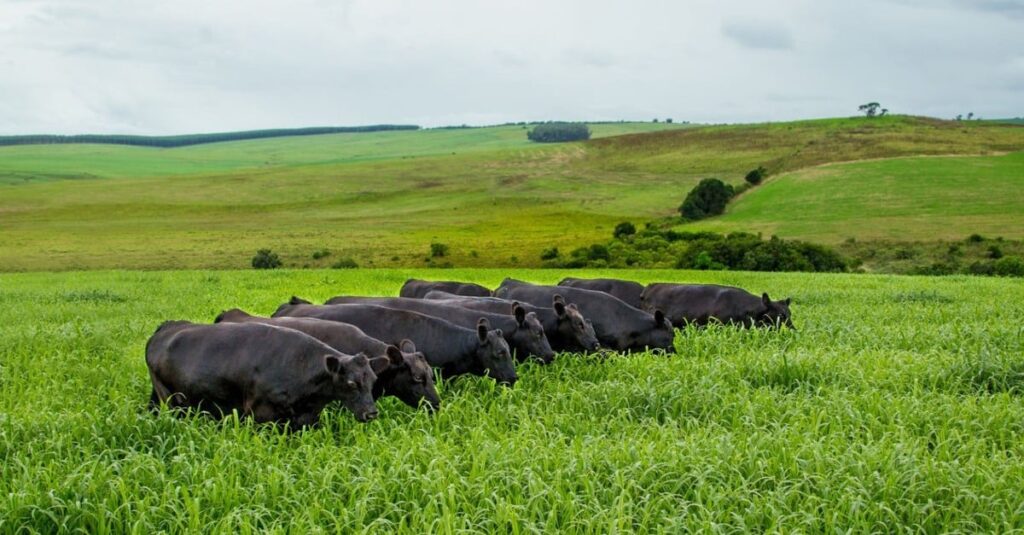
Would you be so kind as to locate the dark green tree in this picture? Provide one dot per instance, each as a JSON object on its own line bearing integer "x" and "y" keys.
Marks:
{"x": 558, "y": 132}
{"x": 624, "y": 229}
{"x": 266, "y": 259}
{"x": 870, "y": 109}
{"x": 707, "y": 199}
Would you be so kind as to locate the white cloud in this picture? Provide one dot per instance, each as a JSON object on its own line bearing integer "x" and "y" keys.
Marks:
{"x": 191, "y": 65}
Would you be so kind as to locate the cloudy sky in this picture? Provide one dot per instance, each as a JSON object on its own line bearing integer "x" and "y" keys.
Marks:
{"x": 130, "y": 66}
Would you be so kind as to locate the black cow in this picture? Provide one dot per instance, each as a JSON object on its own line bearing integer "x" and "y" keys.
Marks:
{"x": 416, "y": 288}
{"x": 618, "y": 325}
{"x": 628, "y": 291}
{"x": 408, "y": 377}
{"x": 522, "y": 330}
{"x": 701, "y": 304}
{"x": 454, "y": 350}
{"x": 565, "y": 327}
{"x": 269, "y": 373}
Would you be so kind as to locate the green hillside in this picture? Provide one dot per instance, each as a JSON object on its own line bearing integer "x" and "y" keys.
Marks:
{"x": 496, "y": 199}
{"x": 924, "y": 198}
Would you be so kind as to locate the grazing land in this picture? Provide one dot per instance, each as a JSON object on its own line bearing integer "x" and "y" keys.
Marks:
{"x": 896, "y": 406}
{"x": 493, "y": 197}
{"x": 909, "y": 199}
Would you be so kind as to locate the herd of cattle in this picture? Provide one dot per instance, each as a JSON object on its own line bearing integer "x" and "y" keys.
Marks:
{"x": 288, "y": 367}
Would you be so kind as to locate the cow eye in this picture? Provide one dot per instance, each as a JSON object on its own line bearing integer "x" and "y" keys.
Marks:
{"x": 418, "y": 379}
{"x": 351, "y": 384}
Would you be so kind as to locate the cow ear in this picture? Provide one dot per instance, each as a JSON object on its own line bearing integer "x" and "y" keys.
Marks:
{"x": 765, "y": 299}
{"x": 407, "y": 346}
{"x": 395, "y": 356}
{"x": 659, "y": 317}
{"x": 380, "y": 364}
{"x": 332, "y": 364}
{"x": 559, "y": 308}
{"x": 788, "y": 301}
{"x": 298, "y": 301}
{"x": 519, "y": 312}
{"x": 482, "y": 327}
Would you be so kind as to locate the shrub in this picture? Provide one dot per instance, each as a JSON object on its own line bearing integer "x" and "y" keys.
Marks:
{"x": 558, "y": 132}
{"x": 345, "y": 263}
{"x": 982, "y": 268}
{"x": 266, "y": 259}
{"x": 322, "y": 253}
{"x": 438, "y": 250}
{"x": 995, "y": 252}
{"x": 1009, "y": 266}
{"x": 705, "y": 262}
{"x": 754, "y": 177}
{"x": 549, "y": 254}
{"x": 707, "y": 199}
{"x": 624, "y": 229}
{"x": 975, "y": 238}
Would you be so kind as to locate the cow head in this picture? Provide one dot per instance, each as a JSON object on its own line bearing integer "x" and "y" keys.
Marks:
{"x": 409, "y": 377}
{"x": 775, "y": 313}
{"x": 658, "y": 335}
{"x": 573, "y": 326}
{"x": 352, "y": 381}
{"x": 493, "y": 354}
{"x": 529, "y": 335}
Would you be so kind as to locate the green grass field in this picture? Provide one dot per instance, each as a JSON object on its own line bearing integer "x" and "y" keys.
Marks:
{"x": 896, "y": 407}
{"x": 493, "y": 197}
{"x": 905, "y": 199}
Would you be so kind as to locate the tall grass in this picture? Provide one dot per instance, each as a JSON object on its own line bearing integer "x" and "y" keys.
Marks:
{"x": 882, "y": 413}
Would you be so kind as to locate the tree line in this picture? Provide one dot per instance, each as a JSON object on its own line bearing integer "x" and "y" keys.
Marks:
{"x": 195, "y": 139}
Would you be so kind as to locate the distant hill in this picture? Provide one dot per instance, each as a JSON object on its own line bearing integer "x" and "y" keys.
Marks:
{"x": 492, "y": 196}
{"x": 195, "y": 139}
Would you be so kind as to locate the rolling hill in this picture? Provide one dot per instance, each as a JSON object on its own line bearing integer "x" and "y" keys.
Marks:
{"x": 496, "y": 199}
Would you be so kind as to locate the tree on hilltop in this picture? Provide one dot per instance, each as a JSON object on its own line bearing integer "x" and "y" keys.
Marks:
{"x": 870, "y": 109}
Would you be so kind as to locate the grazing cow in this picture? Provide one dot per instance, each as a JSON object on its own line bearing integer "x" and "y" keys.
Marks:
{"x": 416, "y": 288}
{"x": 618, "y": 325}
{"x": 269, "y": 373}
{"x": 628, "y": 291}
{"x": 701, "y": 304}
{"x": 408, "y": 376}
{"x": 565, "y": 327}
{"x": 454, "y": 350}
{"x": 522, "y": 330}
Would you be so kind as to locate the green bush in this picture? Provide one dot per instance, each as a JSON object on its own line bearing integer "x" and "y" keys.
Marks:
{"x": 749, "y": 252}
{"x": 755, "y": 176}
{"x": 438, "y": 250}
{"x": 707, "y": 199}
{"x": 982, "y": 268}
{"x": 322, "y": 253}
{"x": 558, "y": 132}
{"x": 994, "y": 252}
{"x": 345, "y": 263}
{"x": 623, "y": 230}
{"x": 975, "y": 238}
{"x": 1009, "y": 266}
{"x": 549, "y": 254}
{"x": 266, "y": 259}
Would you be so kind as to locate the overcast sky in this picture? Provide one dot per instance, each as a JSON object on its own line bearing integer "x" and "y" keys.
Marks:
{"x": 160, "y": 67}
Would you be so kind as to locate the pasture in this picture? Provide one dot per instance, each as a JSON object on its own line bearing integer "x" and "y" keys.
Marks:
{"x": 902, "y": 199}
{"x": 895, "y": 406}
{"x": 494, "y": 198}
